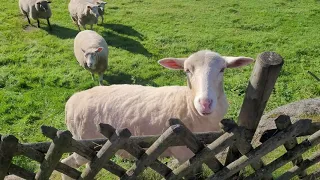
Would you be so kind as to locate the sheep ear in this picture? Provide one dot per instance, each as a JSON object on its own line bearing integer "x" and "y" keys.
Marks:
{"x": 172, "y": 63}
{"x": 48, "y": 1}
{"x": 99, "y": 49}
{"x": 234, "y": 62}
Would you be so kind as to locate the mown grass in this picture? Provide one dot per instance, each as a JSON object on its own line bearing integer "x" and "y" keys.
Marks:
{"x": 38, "y": 71}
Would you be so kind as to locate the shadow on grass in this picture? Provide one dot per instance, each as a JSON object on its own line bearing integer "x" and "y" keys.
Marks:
{"x": 126, "y": 43}
{"x": 123, "y": 29}
{"x": 61, "y": 32}
{"x": 123, "y": 78}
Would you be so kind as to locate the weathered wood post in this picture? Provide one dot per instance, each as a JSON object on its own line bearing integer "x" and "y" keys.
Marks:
{"x": 61, "y": 142}
{"x": 263, "y": 78}
{"x": 282, "y": 122}
{"x": 8, "y": 147}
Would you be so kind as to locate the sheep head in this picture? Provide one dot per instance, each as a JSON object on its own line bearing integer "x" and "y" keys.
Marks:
{"x": 204, "y": 71}
{"x": 93, "y": 10}
{"x": 42, "y": 5}
{"x": 91, "y": 57}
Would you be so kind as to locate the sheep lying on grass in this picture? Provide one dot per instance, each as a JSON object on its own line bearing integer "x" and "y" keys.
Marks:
{"x": 144, "y": 110}
{"x": 91, "y": 51}
{"x": 83, "y": 12}
{"x": 101, "y": 5}
{"x": 36, "y": 9}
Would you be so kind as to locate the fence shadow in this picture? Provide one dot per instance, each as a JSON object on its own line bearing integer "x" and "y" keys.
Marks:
{"x": 61, "y": 32}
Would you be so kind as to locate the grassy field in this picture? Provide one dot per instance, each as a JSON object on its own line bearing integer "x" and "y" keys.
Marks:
{"x": 38, "y": 71}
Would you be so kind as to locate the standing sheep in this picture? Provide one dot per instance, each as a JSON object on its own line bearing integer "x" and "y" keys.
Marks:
{"x": 91, "y": 51}
{"x": 83, "y": 12}
{"x": 144, "y": 110}
{"x": 36, "y": 9}
{"x": 101, "y": 5}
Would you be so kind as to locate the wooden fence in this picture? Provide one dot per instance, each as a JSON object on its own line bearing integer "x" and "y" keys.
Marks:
{"x": 206, "y": 146}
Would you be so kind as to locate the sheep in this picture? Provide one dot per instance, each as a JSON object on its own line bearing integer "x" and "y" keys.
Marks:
{"x": 36, "y": 9}
{"x": 144, "y": 110}
{"x": 83, "y": 12}
{"x": 91, "y": 51}
{"x": 101, "y": 5}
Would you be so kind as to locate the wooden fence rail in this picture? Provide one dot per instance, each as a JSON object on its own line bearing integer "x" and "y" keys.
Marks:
{"x": 48, "y": 154}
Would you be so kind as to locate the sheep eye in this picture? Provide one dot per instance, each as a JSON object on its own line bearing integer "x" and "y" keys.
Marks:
{"x": 222, "y": 70}
{"x": 187, "y": 71}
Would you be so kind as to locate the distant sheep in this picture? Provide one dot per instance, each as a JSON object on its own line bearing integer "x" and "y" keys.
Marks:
{"x": 101, "y": 5}
{"x": 83, "y": 12}
{"x": 36, "y": 9}
{"x": 144, "y": 110}
{"x": 91, "y": 51}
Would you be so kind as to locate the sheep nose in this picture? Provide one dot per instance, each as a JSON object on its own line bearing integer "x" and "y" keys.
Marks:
{"x": 205, "y": 103}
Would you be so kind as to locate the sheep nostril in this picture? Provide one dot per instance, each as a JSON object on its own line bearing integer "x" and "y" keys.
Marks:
{"x": 205, "y": 103}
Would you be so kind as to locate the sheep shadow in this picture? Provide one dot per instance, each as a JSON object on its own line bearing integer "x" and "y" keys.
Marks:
{"x": 124, "y": 78}
{"x": 123, "y": 29}
{"x": 126, "y": 43}
{"x": 61, "y": 32}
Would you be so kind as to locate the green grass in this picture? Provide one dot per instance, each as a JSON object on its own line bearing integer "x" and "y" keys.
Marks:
{"x": 38, "y": 71}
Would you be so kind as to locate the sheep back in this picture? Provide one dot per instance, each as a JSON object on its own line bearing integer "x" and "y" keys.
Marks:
{"x": 79, "y": 13}
{"x": 28, "y": 8}
{"x": 89, "y": 39}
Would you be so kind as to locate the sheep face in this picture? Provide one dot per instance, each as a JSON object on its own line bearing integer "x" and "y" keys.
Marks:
{"x": 42, "y": 5}
{"x": 93, "y": 10}
{"x": 204, "y": 71}
{"x": 101, "y": 5}
{"x": 91, "y": 57}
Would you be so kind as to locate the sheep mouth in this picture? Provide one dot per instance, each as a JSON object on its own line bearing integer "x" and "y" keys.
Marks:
{"x": 205, "y": 113}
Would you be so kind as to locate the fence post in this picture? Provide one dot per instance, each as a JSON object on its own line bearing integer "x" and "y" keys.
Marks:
{"x": 8, "y": 147}
{"x": 282, "y": 122}
{"x": 263, "y": 78}
{"x": 61, "y": 142}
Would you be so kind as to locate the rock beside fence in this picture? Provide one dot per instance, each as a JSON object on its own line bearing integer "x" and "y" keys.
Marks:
{"x": 307, "y": 108}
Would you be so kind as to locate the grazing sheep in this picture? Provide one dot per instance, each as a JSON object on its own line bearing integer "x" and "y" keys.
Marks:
{"x": 91, "y": 51}
{"x": 36, "y": 9}
{"x": 83, "y": 12}
{"x": 144, "y": 110}
{"x": 101, "y": 5}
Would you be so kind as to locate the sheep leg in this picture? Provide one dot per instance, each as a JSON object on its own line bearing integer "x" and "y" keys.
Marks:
{"x": 182, "y": 154}
{"x": 84, "y": 26}
{"x": 100, "y": 79}
{"x": 26, "y": 14}
{"x": 101, "y": 19}
{"x": 28, "y": 20}
{"x": 38, "y": 23}
{"x": 92, "y": 76}
{"x": 74, "y": 161}
{"x": 75, "y": 21}
{"x": 91, "y": 25}
{"x": 50, "y": 28}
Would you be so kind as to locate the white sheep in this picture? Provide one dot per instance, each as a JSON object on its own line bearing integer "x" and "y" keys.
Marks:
{"x": 83, "y": 12}
{"x": 145, "y": 110}
{"x": 36, "y": 9}
{"x": 101, "y": 5}
{"x": 91, "y": 51}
